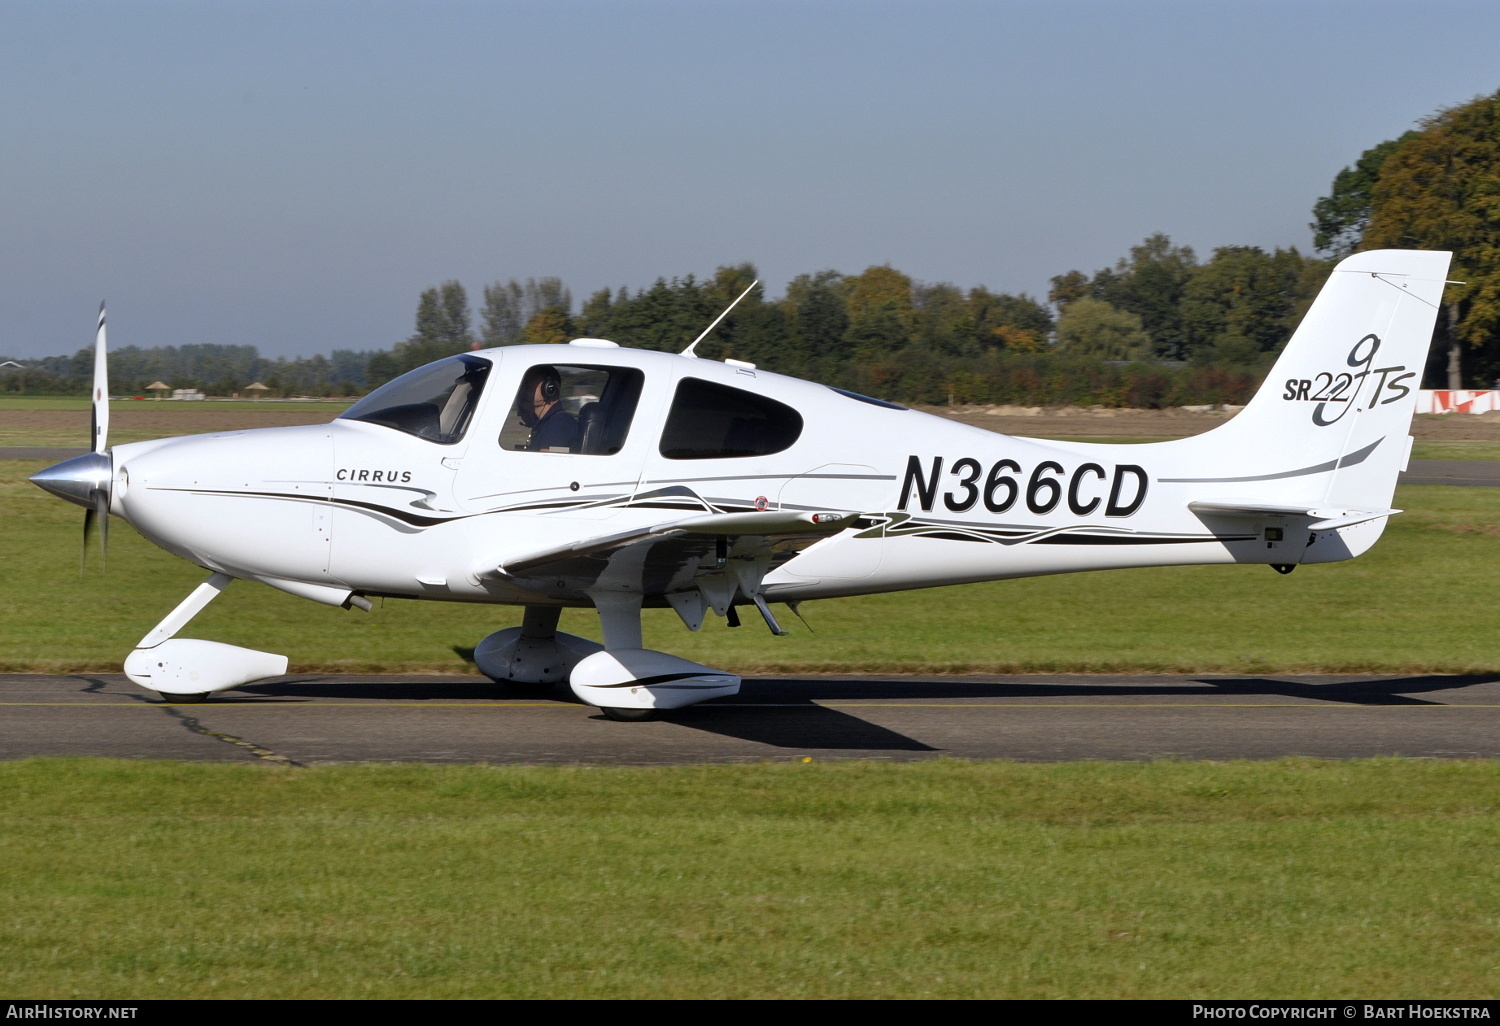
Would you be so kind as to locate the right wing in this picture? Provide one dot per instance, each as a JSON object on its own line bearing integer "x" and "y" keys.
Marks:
{"x": 713, "y": 557}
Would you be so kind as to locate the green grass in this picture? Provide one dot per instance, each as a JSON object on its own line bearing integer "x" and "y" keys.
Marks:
{"x": 64, "y": 402}
{"x": 1370, "y": 879}
{"x": 1420, "y": 601}
{"x": 1444, "y": 449}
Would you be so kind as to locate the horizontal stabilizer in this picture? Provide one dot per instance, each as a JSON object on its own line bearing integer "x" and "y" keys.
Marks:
{"x": 1323, "y": 518}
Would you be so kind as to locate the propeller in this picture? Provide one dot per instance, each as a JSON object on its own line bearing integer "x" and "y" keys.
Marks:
{"x": 86, "y": 479}
{"x": 97, "y": 509}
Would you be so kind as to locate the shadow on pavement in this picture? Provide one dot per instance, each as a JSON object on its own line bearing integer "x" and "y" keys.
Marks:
{"x": 800, "y": 726}
{"x": 807, "y": 691}
{"x": 1393, "y": 691}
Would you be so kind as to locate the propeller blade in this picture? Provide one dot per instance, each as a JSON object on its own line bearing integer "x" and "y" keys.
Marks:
{"x": 101, "y": 512}
{"x": 96, "y": 514}
{"x": 88, "y": 529}
{"x": 100, "y": 420}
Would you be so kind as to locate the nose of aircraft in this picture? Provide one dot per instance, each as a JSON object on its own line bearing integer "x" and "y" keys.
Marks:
{"x": 79, "y": 480}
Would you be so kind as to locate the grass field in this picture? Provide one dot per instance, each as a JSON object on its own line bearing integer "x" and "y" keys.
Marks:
{"x": 1424, "y": 449}
{"x": 1420, "y": 601}
{"x": 1288, "y": 879}
{"x": 943, "y": 878}
{"x": 81, "y": 403}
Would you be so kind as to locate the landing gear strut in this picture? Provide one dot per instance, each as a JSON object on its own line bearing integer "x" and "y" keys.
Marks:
{"x": 632, "y": 683}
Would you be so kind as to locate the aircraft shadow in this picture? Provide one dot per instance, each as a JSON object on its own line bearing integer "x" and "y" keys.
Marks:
{"x": 807, "y": 691}
{"x": 1391, "y": 691}
{"x": 787, "y": 712}
{"x": 806, "y": 725}
{"x": 444, "y": 690}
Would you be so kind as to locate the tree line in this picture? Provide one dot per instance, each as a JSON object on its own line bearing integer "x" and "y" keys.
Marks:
{"x": 215, "y": 369}
{"x": 1161, "y": 327}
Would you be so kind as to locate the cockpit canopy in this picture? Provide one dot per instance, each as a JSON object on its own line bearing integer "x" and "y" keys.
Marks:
{"x": 435, "y": 402}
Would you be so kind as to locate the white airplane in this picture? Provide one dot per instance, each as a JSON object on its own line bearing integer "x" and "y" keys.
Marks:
{"x": 588, "y": 474}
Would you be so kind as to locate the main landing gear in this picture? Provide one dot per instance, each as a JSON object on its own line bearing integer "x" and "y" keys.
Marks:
{"x": 625, "y": 681}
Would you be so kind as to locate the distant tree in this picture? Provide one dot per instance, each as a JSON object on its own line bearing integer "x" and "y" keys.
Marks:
{"x": 818, "y": 321}
{"x": 665, "y": 317}
{"x": 501, "y": 317}
{"x": 1440, "y": 189}
{"x": 992, "y": 310}
{"x": 1341, "y": 217}
{"x": 348, "y": 367}
{"x": 547, "y": 294}
{"x": 1068, "y": 287}
{"x": 1091, "y": 327}
{"x": 509, "y": 306}
{"x": 443, "y": 329}
{"x": 549, "y": 325}
{"x": 943, "y": 321}
{"x": 1016, "y": 340}
{"x": 1244, "y": 303}
{"x": 881, "y": 315}
{"x": 1150, "y": 283}
{"x": 597, "y": 315}
{"x": 756, "y": 330}
{"x": 443, "y": 316}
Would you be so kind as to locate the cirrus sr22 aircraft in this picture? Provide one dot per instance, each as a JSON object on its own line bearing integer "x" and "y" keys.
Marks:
{"x": 589, "y": 474}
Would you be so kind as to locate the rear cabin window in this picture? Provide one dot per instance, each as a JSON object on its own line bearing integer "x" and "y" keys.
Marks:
{"x": 569, "y": 408}
{"x": 709, "y": 422}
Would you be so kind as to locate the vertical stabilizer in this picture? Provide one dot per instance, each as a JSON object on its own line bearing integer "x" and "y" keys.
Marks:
{"x": 1329, "y": 426}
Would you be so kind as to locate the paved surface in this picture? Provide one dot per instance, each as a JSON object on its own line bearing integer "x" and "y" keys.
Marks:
{"x": 317, "y": 719}
{"x": 1477, "y": 473}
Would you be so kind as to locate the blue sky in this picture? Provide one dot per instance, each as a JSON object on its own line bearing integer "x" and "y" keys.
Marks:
{"x": 291, "y": 175}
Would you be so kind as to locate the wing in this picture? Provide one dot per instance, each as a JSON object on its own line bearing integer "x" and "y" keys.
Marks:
{"x": 695, "y": 562}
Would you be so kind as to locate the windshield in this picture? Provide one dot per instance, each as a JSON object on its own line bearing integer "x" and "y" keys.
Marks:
{"x": 435, "y": 402}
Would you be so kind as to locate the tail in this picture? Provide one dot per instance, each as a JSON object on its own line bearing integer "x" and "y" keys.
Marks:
{"x": 1327, "y": 433}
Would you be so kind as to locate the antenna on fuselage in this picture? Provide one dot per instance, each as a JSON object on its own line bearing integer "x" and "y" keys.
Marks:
{"x": 688, "y": 352}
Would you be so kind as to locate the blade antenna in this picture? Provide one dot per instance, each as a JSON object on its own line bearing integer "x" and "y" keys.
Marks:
{"x": 688, "y": 352}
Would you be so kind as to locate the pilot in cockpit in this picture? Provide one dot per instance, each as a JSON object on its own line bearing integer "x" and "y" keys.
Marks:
{"x": 553, "y": 429}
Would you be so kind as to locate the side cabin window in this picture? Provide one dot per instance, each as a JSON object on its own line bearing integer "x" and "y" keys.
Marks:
{"x": 709, "y": 422}
{"x": 435, "y": 402}
{"x": 571, "y": 408}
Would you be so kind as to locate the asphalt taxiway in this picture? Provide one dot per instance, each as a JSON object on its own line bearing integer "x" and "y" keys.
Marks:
{"x": 312, "y": 719}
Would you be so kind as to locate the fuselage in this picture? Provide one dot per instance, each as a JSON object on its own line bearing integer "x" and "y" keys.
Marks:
{"x": 418, "y": 499}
